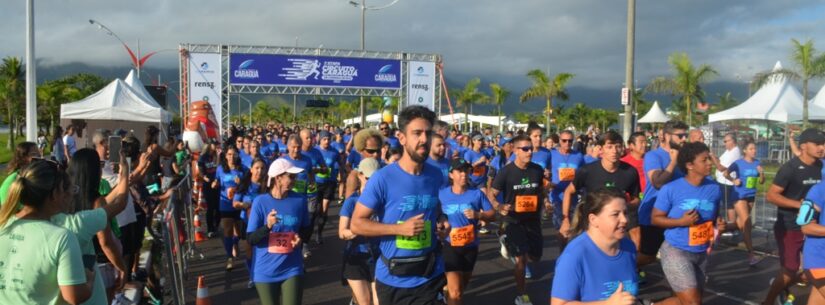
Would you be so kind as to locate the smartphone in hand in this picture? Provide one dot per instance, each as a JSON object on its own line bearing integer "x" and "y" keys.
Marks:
{"x": 115, "y": 144}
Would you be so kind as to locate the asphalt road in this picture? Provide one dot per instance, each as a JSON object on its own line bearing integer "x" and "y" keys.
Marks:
{"x": 731, "y": 282}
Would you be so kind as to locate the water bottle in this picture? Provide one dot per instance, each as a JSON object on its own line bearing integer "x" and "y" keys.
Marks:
{"x": 789, "y": 300}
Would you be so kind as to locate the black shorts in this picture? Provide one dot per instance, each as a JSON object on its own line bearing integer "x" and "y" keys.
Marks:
{"x": 328, "y": 190}
{"x": 236, "y": 215}
{"x": 127, "y": 234}
{"x": 524, "y": 238}
{"x": 652, "y": 238}
{"x": 425, "y": 294}
{"x": 359, "y": 267}
{"x": 459, "y": 259}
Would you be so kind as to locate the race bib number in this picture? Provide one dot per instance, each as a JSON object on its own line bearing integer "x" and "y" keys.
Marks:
{"x": 567, "y": 174}
{"x": 527, "y": 203}
{"x": 460, "y": 237}
{"x": 700, "y": 234}
{"x": 751, "y": 182}
{"x": 280, "y": 242}
{"x": 479, "y": 170}
{"x": 420, "y": 241}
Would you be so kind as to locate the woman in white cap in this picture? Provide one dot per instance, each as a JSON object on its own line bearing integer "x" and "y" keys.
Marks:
{"x": 359, "y": 262}
{"x": 278, "y": 222}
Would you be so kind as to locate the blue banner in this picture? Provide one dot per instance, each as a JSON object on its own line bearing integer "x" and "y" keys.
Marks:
{"x": 313, "y": 71}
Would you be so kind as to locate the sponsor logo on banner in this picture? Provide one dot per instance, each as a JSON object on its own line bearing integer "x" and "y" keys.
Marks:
{"x": 287, "y": 70}
{"x": 421, "y": 80}
{"x": 205, "y": 80}
{"x": 245, "y": 72}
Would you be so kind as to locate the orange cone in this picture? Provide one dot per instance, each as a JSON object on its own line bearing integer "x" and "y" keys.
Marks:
{"x": 199, "y": 230}
{"x": 203, "y": 293}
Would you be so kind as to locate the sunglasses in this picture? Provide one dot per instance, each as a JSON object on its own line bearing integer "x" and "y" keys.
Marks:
{"x": 371, "y": 151}
{"x": 382, "y": 129}
{"x": 680, "y": 135}
{"x": 565, "y": 140}
{"x": 525, "y": 148}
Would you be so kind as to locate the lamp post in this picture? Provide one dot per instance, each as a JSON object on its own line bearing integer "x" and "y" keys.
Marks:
{"x": 363, "y": 6}
{"x": 31, "y": 78}
{"x": 631, "y": 41}
{"x": 137, "y": 60}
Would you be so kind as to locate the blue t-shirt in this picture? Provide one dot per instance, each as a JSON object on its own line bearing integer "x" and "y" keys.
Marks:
{"x": 292, "y": 215}
{"x": 453, "y": 205}
{"x": 346, "y": 138}
{"x": 585, "y": 273}
{"x": 443, "y": 166}
{"x": 248, "y": 197}
{"x": 395, "y": 196}
{"x": 330, "y": 158}
{"x": 541, "y": 157}
{"x": 225, "y": 181}
{"x": 677, "y": 198}
{"x": 207, "y": 166}
{"x": 339, "y": 146}
{"x": 657, "y": 159}
{"x": 497, "y": 164}
{"x": 360, "y": 243}
{"x": 747, "y": 173}
{"x": 281, "y": 147}
{"x": 246, "y": 160}
{"x": 478, "y": 174}
{"x": 354, "y": 159}
{"x": 815, "y": 245}
{"x": 564, "y": 166}
{"x": 271, "y": 151}
{"x": 590, "y": 159}
{"x": 302, "y": 180}
{"x": 393, "y": 142}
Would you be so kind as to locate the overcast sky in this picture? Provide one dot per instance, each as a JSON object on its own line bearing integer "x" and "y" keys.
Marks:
{"x": 497, "y": 40}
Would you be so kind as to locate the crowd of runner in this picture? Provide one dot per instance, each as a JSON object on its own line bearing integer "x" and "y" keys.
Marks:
{"x": 415, "y": 202}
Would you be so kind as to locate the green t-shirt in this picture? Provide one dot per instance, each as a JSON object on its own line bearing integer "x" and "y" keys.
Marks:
{"x": 38, "y": 257}
{"x": 4, "y": 189}
{"x": 179, "y": 157}
{"x": 85, "y": 225}
{"x": 104, "y": 189}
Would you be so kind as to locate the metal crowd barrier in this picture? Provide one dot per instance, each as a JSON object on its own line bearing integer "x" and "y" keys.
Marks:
{"x": 178, "y": 242}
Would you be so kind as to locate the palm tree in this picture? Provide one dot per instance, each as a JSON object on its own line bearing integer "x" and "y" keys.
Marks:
{"x": 547, "y": 88}
{"x": 810, "y": 66}
{"x": 498, "y": 95}
{"x": 579, "y": 115}
{"x": 469, "y": 96}
{"x": 12, "y": 91}
{"x": 685, "y": 82}
{"x": 263, "y": 112}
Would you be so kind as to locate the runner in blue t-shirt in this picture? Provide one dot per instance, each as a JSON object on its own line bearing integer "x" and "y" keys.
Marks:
{"x": 746, "y": 174}
{"x": 478, "y": 160}
{"x": 278, "y": 224}
{"x": 687, "y": 208}
{"x": 437, "y": 157}
{"x": 812, "y": 260}
{"x": 253, "y": 152}
{"x": 404, "y": 197}
{"x": 359, "y": 258}
{"x": 564, "y": 162}
{"x": 227, "y": 177}
{"x": 463, "y": 207}
{"x": 327, "y": 181}
{"x": 599, "y": 264}
{"x": 249, "y": 188}
{"x": 659, "y": 169}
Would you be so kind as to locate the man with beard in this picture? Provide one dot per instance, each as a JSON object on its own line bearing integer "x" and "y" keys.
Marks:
{"x": 660, "y": 168}
{"x": 403, "y": 196}
{"x": 611, "y": 173}
{"x": 437, "y": 159}
{"x": 523, "y": 190}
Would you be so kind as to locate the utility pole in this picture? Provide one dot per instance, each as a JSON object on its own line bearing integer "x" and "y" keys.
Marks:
{"x": 631, "y": 41}
{"x": 362, "y": 106}
{"x": 31, "y": 78}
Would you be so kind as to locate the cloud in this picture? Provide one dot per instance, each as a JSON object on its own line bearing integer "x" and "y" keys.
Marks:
{"x": 497, "y": 40}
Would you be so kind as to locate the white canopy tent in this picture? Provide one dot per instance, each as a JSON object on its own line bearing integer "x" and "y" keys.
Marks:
{"x": 777, "y": 101}
{"x": 117, "y": 105}
{"x": 133, "y": 81}
{"x": 819, "y": 99}
{"x": 655, "y": 115}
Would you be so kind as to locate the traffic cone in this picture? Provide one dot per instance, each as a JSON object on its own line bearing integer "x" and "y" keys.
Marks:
{"x": 199, "y": 230}
{"x": 203, "y": 293}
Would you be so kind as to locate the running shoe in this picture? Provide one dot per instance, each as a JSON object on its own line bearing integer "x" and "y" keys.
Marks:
{"x": 754, "y": 260}
{"x": 306, "y": 253}
{"x": 523, "y": 300}
{"x": 229, "y": 264}
{"x": 352, "y": 302}
{"x": 250, "y": 285}
{"x": 527, "y": 273}
{"x": 504, "y": 252}
{"x": 483, "y": 230}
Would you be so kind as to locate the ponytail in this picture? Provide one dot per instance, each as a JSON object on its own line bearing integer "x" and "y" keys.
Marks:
{"x": 12, "y": 200}
{"x": 593, "y": 203}
{"x": 580, "y": 220}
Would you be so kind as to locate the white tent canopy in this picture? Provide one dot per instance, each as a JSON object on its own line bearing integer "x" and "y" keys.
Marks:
{"x": 118, "y": 102}
{"x": 654, "y": 115}
{"x": 133, "y": 81}
{"x": 819, "y": 99}
{"x": 777, "y": 101}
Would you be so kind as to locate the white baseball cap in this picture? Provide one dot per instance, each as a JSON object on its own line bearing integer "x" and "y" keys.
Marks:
{"x": 281, "y": 166}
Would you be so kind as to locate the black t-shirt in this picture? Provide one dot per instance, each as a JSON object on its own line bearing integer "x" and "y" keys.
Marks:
{"x": 523, "y": 189}
{"x": 593, "y": 177}
{"x": 796, "y": 178}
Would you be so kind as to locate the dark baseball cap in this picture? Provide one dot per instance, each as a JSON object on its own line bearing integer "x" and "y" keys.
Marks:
{"x": 812, "y": 135}
{"x": 459, "y": 164}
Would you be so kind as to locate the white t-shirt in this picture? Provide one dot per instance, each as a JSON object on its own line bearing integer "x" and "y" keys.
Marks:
{"x": 128, "y": 215}
{"x": 726, "y": 159}
{"x": 71, "y": 146}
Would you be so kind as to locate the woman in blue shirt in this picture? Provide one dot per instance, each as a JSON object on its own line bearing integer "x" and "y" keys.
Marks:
{"x": 248, "y": 190}
{"x": 463, "y": 207}
{"x": 813, "y": 261}
{"x": 227, "y": 178}
{"x": 687, "y": 208}
{"x": 359, "y": 258}
{"x": 478, "y": 161}
{"x": 599, "y": 265}
{"x": 278, "y": 222}
{"x": 748, "y": 173}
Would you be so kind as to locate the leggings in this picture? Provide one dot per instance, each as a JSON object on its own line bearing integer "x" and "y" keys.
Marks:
{"x": 289, "y": 292}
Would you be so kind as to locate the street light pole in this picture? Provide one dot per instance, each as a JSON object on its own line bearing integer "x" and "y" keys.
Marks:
{"x": 631, "y": 41}
{"x": 31, "y": 79}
